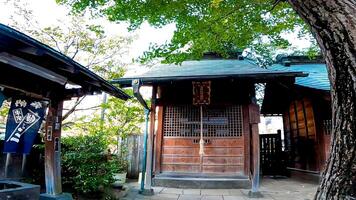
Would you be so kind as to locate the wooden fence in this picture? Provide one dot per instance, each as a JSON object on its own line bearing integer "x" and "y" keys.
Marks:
{"x": 134, "y": 144}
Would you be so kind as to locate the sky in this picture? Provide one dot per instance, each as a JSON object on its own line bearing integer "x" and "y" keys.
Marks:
{"x": 47, "y": 13}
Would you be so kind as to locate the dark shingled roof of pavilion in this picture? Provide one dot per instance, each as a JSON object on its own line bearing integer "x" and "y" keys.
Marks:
{"x": 316, "y": 83}
{"x": 31, "y": 67}
{"x": 208, "y": 69}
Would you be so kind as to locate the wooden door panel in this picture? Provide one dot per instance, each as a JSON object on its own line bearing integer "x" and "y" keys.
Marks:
{"x": 220, "y": 155}
{"x": 187, "y": 168}
{"x": 208, "y": 160}
{"x": 181, "y": 160}
{"x": 180, "y": 151}
{"x": 186, "y": 142}
{"x": 221, "y": 151}
{"x": 236, "y": 169}
{"x": 222, "y": 133}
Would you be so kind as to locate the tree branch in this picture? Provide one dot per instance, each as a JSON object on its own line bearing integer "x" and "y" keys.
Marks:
{"x": 73, "y": 108}
{"x": 276, "y": 2}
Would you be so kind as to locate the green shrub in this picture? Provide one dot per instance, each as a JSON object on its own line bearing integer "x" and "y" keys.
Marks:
{"x": 119, "y": 164}
{"x": 85, "y": 164}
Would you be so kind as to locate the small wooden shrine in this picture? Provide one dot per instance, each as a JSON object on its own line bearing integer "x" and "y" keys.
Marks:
{"x": 204, "y": 121}
{"x": 32, "y": 69}
{"x": 306, "y": 111}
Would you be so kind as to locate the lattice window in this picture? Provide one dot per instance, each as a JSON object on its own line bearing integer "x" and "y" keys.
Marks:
{"x": 327, "y": 126}
{"x": 184, "y": 121}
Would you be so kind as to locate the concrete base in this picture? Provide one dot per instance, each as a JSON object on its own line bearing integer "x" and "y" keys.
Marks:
{"x": 147, "y": 192}
{"x": 254, "y": 194}
{"x": 202, "y": 182}
{"x": 63, "y": 196}
{"x": 305, "y": 175}
{"x": 17, "y": 190}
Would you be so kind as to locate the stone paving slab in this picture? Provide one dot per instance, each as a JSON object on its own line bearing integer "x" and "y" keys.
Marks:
{"x": 233, "y": 197}
{"x": 192, "y": 191}
{"x": 235, "y": 192}
{"x": 165, "y": 197}
{"x": 212, "y": 197}
{"x": 215, "y": 192}
{"x": 189, "y": 197}
{"x": 271, "y": 189}
{"x": 171, "y": 191}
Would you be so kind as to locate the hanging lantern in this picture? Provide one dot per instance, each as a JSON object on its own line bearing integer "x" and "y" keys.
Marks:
{"x": 201, "y": 92}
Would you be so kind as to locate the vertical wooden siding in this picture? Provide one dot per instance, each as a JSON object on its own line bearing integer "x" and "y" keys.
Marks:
{"x": 301, "y": 134}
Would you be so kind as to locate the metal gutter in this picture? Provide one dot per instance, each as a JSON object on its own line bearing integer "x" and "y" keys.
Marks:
{"x": 126, "y": 82}
{"x": 136, "y": 84}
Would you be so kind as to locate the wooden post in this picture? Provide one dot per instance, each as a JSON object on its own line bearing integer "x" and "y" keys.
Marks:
{"x": 159, "y": 132}
{"x": 247, "y": 139}
{"x": 53, "y": 149}
{"x": 150, "y": 140}
{"x": 7, "y": 164}
{"x": 23, "y": 167}
{"x": 159, "y": 138}
{"x": 256, "y": 158}
{"x": 254, "y": 118}
{"x": 201, "y": 141}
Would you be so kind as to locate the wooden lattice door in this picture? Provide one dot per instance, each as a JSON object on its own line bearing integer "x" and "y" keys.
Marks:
{"x": 222, "y": 133}
{"x": 271, "y": 155}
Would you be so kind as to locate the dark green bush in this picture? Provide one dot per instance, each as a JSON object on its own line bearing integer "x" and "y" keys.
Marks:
{"x": 85, "y": 164}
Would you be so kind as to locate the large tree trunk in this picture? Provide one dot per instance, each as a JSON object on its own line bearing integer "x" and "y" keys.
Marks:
{"x": 333, "y": 23}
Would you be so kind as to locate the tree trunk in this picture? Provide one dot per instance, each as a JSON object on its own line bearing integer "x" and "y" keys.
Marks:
{"x": 333, "y": 23}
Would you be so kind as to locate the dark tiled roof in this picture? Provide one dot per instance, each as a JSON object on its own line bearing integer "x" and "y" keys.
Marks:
{"x": 317, "y": 78}
{"x": 53, "y": 62}
{"x": 207, "y": 69}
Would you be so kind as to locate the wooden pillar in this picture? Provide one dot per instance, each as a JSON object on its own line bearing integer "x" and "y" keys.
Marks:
{"x": 159, "y": 138}
{"x": 254, "y": 117}
{"x": 256, "y": 158}
{"x": 53, "y": 149}
{"x": 150, "y": 140}
{"x": 159, "y": 132}
{"x": 247, "y": 139}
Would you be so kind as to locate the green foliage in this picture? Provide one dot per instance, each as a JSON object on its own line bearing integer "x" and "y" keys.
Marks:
{"x": 123, "y": 118}
{"x": 120, "y": 163}
{"x": 87, "y": 161}
{"x": 90, "y": 46}
{"x": 4, "y": 110}
{"x": 201, "y": 26}
{"x": 84, "y": 163}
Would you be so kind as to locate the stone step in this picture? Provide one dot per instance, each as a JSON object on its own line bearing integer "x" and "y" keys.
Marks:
{"x": 202, "y": 182}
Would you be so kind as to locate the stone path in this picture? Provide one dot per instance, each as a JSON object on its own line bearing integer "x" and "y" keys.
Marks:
{"x": 271, "y": 189}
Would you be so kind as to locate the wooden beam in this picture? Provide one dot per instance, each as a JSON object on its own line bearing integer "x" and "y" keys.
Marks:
{"x": 53, "y": 149}
{"x": 31, "y": 50}
{"x": 32, "y": 68}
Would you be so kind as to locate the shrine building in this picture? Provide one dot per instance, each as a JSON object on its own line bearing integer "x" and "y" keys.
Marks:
{"x": 204, "y": 121}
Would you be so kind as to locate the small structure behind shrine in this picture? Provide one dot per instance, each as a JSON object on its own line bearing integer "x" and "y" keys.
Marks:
{"x": 306, "y": 110}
